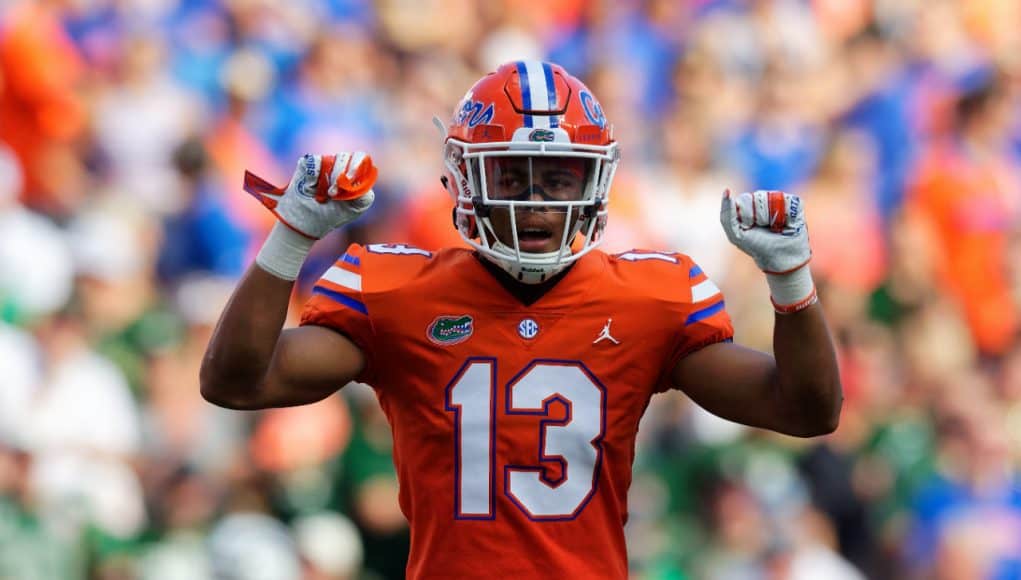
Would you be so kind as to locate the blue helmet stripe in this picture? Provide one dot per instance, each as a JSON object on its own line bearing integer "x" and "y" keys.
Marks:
{"x": 526, "y": 92}
{"x": 551, "y": 92}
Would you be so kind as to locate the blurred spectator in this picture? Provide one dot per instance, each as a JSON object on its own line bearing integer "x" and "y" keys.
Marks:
{"x": 81, "y": 470}
{"x": 880, "y": 95}
{"x": 31, "y": 548}
{"x": 968, "y": 192}
{"x": 246, "y": 79}
{"x": 837, "y": 199}
{"x": 118, "y": 299}
{"x": 687, "y": 185}
{"x": 41, "y": 111}
{"x": 201, "y": 235}
{"x": 36, "y": 270}
{"x": 140, "y": 117}
{"x": 329, "y": 546}
{"x": 184, "y": 510}
{"x": 253, "y": 546}
{"x": 780, "y": 148}
{"x": 967, "y": 517}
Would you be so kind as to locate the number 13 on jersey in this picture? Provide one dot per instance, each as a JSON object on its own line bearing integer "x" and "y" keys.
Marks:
{"x": 575, "y": 442}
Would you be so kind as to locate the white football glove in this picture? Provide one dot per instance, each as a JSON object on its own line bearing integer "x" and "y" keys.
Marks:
{"x": 325, "y": 193}
{"x": 770, "y": 227}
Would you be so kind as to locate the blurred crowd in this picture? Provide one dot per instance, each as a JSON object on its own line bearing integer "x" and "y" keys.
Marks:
{"x": 125, "y": 129}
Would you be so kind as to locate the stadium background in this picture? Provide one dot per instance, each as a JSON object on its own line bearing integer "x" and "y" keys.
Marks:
{"x": 125, "y": 126}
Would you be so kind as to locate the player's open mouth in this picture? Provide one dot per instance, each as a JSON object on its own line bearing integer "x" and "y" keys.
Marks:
{"x": 534, "y": 239}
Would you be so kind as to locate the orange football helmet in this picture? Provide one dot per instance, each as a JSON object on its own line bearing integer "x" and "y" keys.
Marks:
{"x": 537, "y": 111}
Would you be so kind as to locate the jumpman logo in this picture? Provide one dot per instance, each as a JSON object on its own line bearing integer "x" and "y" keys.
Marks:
{"x": 605, "y": 334}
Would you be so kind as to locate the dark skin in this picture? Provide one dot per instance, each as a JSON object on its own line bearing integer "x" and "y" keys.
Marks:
{"x": 251, "y": 364}
{"x": 509, "y": 179}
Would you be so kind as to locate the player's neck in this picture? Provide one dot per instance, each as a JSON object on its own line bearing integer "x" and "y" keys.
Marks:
{"x": 528, "y": 294}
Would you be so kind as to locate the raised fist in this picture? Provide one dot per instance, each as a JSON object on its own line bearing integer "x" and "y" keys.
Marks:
{"x": 325, "y": 192}
{"x": 770, "y": 227}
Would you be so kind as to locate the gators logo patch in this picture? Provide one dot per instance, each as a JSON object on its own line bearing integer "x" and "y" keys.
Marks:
{"x": 542, "y": 136}
{"x": 447, "y": 330}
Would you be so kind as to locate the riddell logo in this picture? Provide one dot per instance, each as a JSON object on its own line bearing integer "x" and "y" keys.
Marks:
{"x": 448, "y": 330}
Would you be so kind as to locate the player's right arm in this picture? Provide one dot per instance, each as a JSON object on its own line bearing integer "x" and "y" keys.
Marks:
{"x": 249, "y": 362}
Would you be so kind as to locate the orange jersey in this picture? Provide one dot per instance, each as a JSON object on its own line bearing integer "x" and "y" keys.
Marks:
{"x": 514, "y": 426}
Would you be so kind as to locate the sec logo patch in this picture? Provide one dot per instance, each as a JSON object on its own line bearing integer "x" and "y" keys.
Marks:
{"x": 528, "y": 329}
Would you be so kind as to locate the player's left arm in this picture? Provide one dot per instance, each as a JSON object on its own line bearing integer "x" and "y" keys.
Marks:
{"x": 798, "y": 392}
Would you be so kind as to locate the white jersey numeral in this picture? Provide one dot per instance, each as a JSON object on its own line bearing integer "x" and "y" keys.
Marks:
{"x": 637, "y": 256}
{"x": 399, "y": 249}
{"x": 575, "y": 442}
{"x": 470, "y": 398}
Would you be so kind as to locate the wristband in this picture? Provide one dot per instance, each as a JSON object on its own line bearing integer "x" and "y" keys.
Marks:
{"x": 792, "y": 292}
{"x": 283, "y": 252}
{"x": 798, "y": 306}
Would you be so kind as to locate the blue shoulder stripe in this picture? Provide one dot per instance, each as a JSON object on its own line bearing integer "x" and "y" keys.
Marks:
{"x": 694, "y": 271}
{"x": 704, "y": 313}
{"x": 353, "y": 260}
{"x": 341, "y": 298}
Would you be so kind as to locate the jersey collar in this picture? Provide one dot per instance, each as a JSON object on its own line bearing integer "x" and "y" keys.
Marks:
{"x": 562, "y": 291}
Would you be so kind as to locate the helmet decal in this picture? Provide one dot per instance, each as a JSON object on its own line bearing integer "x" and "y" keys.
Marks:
{"x": 542, "y": 135}
{"x": 474, "y": 113}
{"x": 593, "y": 111}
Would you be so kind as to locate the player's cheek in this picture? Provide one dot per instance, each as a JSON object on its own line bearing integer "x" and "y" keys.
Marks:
{"x": 499, "y": 218}
{"x": 562, "y": 223}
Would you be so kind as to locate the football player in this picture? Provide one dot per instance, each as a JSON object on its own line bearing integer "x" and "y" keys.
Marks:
{"x": 514, "y": 373}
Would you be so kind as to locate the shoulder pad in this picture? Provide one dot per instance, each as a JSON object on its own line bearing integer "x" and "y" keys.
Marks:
{"x": 383, "y": 267}
{"x": 669, "y": 276}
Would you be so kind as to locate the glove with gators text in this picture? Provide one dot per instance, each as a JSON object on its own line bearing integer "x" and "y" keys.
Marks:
{"x": 770, "y": 227}
{"x": 325, "y": 193}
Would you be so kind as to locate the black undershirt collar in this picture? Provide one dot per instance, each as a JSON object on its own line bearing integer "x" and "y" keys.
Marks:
{"x": 527, "y": 294}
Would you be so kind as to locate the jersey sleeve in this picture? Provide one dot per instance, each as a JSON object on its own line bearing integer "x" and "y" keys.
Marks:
{"x": 337, "y": 303}
{"x": 703, "y": 318}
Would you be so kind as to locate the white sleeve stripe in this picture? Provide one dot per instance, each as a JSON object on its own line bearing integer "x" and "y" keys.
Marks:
{"x": 702, "y": 290}
{"x": 344, "y": 278}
